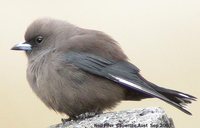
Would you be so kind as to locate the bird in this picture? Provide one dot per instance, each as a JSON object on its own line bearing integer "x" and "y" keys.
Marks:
{"x": 82, "y": 72}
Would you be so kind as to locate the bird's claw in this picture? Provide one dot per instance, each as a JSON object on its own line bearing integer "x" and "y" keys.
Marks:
{"x": 86, "y": 115}
{"x": 66, "y": 120}
{"x": 81, "y": 116}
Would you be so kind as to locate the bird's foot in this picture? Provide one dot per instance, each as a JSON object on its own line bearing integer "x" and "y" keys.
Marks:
{"x": 66, "y": 120}
{"x": 81, "y": 116}
{"x": 86, "y": 115}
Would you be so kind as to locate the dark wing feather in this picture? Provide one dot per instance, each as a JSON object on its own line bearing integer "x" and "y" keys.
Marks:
{"x": 123, "y": 73}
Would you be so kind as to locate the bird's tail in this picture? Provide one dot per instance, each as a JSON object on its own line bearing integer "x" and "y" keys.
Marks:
{"x": 181, "y": 99}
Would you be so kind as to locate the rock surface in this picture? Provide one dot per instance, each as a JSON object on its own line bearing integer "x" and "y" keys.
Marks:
{"x": 134, "y": 118}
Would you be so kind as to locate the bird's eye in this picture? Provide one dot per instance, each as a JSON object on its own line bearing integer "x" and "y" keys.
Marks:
{"x": 39, "y": 39}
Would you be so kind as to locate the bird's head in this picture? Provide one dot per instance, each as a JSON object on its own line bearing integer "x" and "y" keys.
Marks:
{"x": 41, "y": 35}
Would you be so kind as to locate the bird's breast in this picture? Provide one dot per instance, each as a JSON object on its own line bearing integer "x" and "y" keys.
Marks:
{"x": 35, "y": 71}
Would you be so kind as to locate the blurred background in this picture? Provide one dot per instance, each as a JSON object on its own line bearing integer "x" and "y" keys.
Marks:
{"x": 161, "y": 37}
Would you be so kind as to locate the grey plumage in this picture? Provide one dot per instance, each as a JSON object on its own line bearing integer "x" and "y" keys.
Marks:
{"x": 75, "y": 70}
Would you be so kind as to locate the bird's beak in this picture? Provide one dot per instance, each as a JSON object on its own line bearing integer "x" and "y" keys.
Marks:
{"x": 22, "y": 46}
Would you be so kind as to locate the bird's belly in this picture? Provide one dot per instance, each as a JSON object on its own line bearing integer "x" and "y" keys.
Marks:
{"x": 74, "y": 92}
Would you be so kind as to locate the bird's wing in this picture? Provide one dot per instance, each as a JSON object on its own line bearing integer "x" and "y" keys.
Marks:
{"x": 123, "y": 73}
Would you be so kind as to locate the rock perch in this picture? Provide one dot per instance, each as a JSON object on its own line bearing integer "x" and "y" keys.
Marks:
{"x": 134, "y": 118}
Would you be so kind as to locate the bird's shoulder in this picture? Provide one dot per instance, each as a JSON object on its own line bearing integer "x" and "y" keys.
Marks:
{"x": 93, "y": 42}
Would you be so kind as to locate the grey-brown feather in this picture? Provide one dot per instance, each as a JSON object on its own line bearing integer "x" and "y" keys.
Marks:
{"x": 66, "y": 87}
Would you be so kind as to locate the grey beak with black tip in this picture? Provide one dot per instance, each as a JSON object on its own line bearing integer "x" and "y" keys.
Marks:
{"x": 22, "y": 46}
